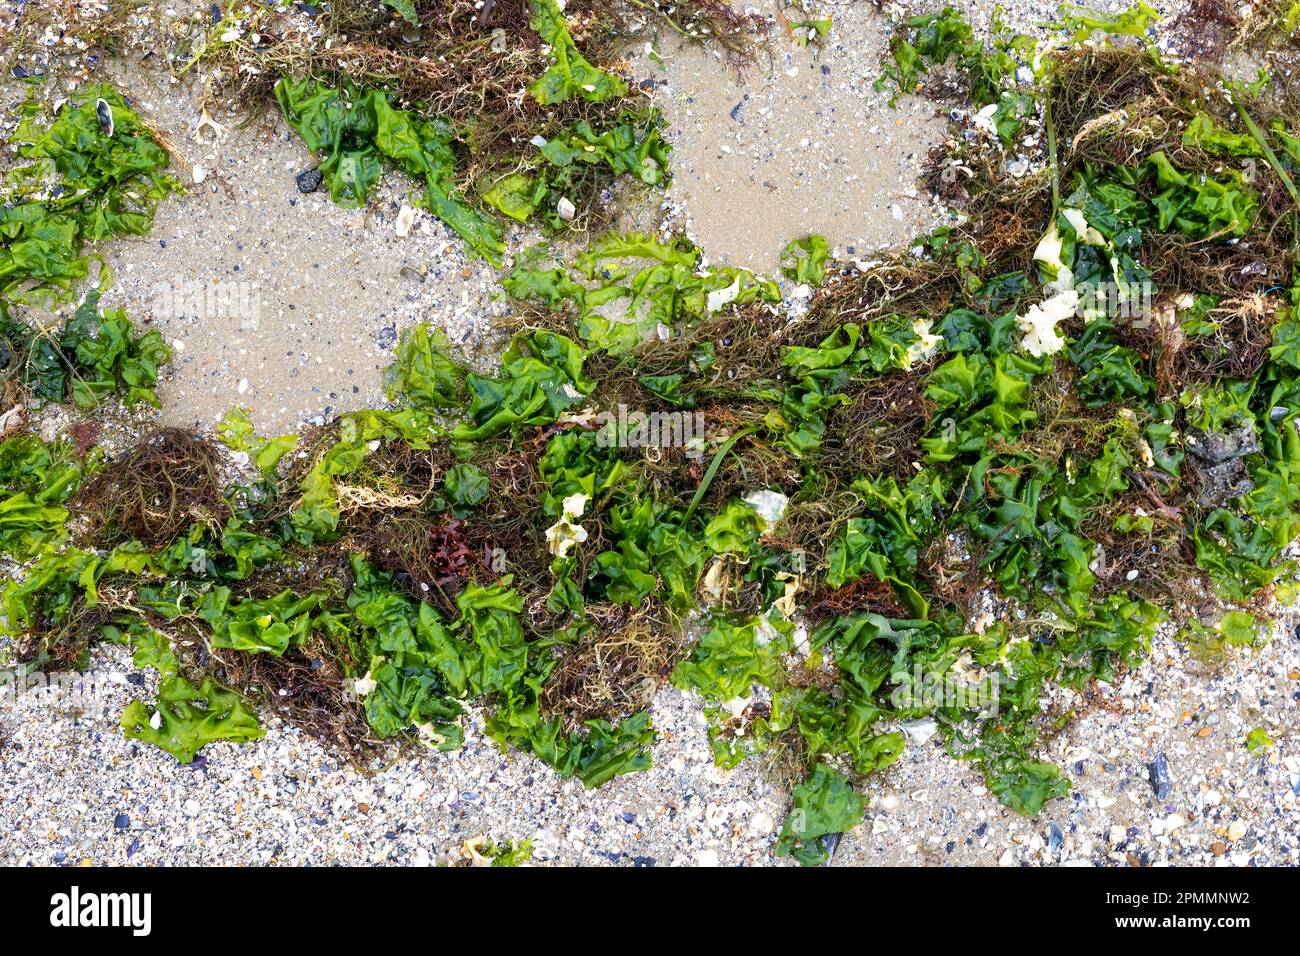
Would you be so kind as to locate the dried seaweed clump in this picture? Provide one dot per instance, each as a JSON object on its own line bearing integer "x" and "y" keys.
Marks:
{"x": 167, "y": 482}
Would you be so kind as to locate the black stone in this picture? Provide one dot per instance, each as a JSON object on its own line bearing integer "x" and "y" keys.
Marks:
{"x": 104, "y": 113}
{"x": 1054, "y": 837}
{"x": 831, "y": 842}
{"x": 1158, "y": 773}
{"x": 309, "y": 180}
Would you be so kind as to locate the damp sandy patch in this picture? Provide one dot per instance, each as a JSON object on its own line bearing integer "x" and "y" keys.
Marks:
{"x": 271, "y": 298}
{"x": 800, "y": 143}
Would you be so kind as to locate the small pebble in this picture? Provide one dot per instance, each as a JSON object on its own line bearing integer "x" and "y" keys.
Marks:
{"x": 309, "y": 180}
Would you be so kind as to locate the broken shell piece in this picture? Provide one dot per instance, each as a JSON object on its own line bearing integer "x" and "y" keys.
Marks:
{"x": 470, "y": 851}
{"x": 565, "y": 209}
{"x": 769, "y": 504}
{"x": 566, "y": 532}
{"x": 926, "y": 343}
{"x": 920, "y": 730}
{"x": 563, "y": 535}
{"x": 405, "y": 218}
{"x": 714, "y": 581}
{"x": 1081, "y": 228}
{"x": 218, "y": 131}
{"x": 1039, "y": 324}
{"x": 364, "y": 686}
{"x": 11, "y": 421}
{"x": 104, "y": 113}
{"x": 737, "y": 706}
{"x": 199, "y": 173}
{"x": 429, "y": 736}
{"x": 574, "y": 505}
{"x": 785, "y": 603}
{"x": 720, "y": 297}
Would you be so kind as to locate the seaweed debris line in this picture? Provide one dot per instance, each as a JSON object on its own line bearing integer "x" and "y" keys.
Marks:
{"x": 608, "y": 459}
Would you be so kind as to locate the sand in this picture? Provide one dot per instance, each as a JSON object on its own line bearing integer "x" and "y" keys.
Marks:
{"x": 800, "y": 144}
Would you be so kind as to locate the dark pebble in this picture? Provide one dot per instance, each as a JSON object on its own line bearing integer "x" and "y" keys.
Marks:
{"x": 309, "y": 180}
{"x": 1054, "y": 837}
{"x": 629, "y": 818}
{"x": 198, "y": 763}
{"x": 19, "y": 73}
{"x": 387, "y": 337}
{"x": 950, "y": 847}
{"x": 121, "y": 821}
{"x": 1158, "y": 773}
{"x": 643, "y": 861}
{"x": 60, "y": 857}
{"x": 215, "y": 12}
{"x": 981, "y": 829}
{"x": 104, "y": 113}
{"x": 826, "y": 70}
{"x": 137, "y": 679}
{"x": 133, "y": 849}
